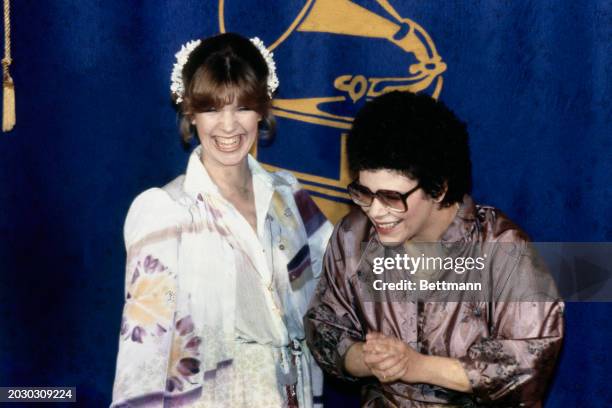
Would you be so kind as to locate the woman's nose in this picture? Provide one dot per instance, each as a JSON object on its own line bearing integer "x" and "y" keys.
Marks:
{"x": 228, "y": 120}
{"x": 377, "y": 208}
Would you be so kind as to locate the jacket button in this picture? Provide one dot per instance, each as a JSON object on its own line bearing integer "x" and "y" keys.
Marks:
{"x": 281, "y": 247}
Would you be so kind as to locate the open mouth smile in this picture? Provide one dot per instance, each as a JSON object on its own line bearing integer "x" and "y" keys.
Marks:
{"x": 386, "y": 227}
{"x": 227, "y": 144}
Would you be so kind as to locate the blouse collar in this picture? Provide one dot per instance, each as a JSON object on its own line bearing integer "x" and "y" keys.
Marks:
{"x": 197, "y": 179}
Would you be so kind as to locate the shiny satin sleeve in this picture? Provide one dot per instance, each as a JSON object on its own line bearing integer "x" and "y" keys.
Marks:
{"x": 516, "y": 362}
{"x": 331, "y": 323}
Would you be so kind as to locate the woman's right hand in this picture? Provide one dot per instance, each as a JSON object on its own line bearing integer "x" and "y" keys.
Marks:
{"x": 387, "y": 358}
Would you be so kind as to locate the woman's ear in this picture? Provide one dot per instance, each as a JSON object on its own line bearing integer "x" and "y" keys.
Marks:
{"x": 190, "y": 117}
{"x": 442, "y": 193}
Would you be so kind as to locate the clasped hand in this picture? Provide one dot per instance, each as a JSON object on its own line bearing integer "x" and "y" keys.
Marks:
{"x": 390, "y": 359}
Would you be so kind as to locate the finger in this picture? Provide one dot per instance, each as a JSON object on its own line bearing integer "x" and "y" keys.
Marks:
{"x": 387, "y": 344}
{"x": 378, "y": 374}
{"x": 397, "y": 371}
{"x": 367, "y": 347}
{"x": 372, "y": 350}
{"x": 376, "y": 347}
{"x": 390, "y": 363}
{"x": 375, "y": 359}
{"x": 394, "y": 373}
{"x": 383, "y": 378}
{"x": 381, "y": 363}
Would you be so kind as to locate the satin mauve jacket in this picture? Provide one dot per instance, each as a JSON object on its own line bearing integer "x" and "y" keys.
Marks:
{"x": 507, "y": 340}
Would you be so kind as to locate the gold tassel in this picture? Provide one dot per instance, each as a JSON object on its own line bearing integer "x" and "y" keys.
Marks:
{"x": 8, "y": 103}
{"x": 8, "y": 87}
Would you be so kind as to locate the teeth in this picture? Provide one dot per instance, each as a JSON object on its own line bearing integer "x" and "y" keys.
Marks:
{"x": 388, "y": 224}
{"x": 227, "y": 141}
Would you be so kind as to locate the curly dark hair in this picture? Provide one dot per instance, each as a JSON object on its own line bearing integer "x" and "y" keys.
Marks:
{"x": 417, "y": 136}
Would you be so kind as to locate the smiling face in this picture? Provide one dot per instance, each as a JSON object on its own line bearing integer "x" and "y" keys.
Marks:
{"x": 417, "y": 223}
{"x": 226, "y": 134}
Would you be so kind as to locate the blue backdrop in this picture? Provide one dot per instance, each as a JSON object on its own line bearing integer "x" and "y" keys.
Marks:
{"x": 95, "y": 127}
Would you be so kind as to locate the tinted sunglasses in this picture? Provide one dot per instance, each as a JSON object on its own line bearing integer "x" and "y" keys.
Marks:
{"x": 393, "y": 200}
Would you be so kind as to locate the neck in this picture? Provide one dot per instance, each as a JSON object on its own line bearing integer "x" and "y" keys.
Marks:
{"x": 441, "y": 219}
{"x": 229, "y": 179}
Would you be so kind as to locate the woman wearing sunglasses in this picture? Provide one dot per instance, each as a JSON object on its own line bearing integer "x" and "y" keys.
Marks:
{"x": 410, "y": 158}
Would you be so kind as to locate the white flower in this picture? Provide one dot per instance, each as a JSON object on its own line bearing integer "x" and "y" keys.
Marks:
{"x": 177, "y": 87}
{"x": 176, "y": 78}
{"x": 269, "y": 58}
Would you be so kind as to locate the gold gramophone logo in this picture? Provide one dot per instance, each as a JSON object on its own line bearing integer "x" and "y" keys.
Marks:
{"x": 423, "y": 73}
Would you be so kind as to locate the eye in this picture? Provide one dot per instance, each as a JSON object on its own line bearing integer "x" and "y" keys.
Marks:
{"x": 244, "y": 109}
{"x": 210, "y": 110}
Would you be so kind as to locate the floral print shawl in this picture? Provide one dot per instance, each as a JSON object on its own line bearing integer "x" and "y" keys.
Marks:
{"x": 184, "y": 250}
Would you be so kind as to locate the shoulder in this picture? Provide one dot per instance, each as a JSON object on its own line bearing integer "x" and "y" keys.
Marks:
{"x": 508, "y": 243}
{"x": 352, "y": 230}
{"x": 287, "y": 179}
{"x": 152, "y": 210}
{"x": 283, "y": 179}
{"x": 517, "y": 269}
{"x": 497, "y": 226}
{"x": 278, "y": 178}
{"x": 312, "y": 216}
{"x": 354, "y": 223}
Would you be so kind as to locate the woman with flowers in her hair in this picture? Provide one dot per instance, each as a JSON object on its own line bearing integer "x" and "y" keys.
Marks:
{"x": 222, "y": 261}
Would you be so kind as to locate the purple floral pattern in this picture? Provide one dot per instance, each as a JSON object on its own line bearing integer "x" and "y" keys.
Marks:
{"x": 184, "y": 359}
{"x": 150, "y": 301}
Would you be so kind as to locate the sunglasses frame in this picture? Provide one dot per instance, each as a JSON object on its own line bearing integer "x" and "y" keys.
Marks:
{"x": 380, "y": 194}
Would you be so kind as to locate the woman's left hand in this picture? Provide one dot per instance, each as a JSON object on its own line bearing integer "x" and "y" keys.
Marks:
{"x": 390, "y": 359}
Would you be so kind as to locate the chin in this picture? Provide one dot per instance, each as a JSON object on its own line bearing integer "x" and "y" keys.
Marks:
{"x": 393, "y": 239}
{"x": 231, "y": 159}
{"x": 386, "y": 240}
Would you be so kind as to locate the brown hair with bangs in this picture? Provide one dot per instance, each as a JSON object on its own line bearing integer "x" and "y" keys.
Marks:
{"x": 222, "y": 69}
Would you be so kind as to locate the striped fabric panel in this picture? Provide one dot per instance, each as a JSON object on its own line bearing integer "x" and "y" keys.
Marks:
{"x": 312, "y": 217}
{"x": 299, "y": 263}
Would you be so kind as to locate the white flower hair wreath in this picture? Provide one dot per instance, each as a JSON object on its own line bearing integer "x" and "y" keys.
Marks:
{"x": 177, "y": 87}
